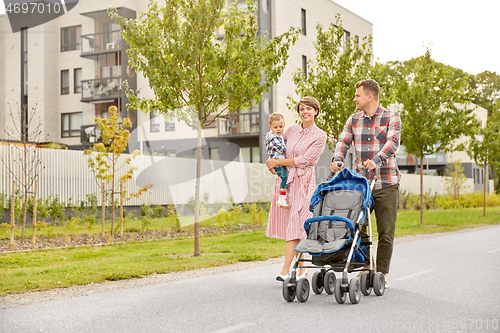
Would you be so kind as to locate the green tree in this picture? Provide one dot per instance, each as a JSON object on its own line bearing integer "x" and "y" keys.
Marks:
{"x": 105, "y": 162}
{"x": 24, "y": 161}
{"x": 339, "y": 64}
{"x": 195, "y": 75}
{"x": 486, "y": 90}
{"x": 484, "y": 147}
{"x": 431, "y": 120}
{"x": 456, "y": 180}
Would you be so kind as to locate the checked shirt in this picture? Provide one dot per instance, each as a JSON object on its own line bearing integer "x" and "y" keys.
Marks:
{"x": 275, "y": 145}
{"x": 374, "y": 138}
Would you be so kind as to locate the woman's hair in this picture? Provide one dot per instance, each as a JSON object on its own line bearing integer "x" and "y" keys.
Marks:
{"x": 309, "y": 101}
{"x": 275, "y": 116}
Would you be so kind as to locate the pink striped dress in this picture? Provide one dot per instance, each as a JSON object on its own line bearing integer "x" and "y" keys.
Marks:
{"x": 305, "y": 147}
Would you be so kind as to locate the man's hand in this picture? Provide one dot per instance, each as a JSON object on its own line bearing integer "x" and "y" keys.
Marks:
{"x": 336, "y": 166}
{"x": 369, "y": 165}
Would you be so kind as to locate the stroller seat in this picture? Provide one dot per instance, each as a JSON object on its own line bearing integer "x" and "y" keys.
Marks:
{"x": 332, "y": 225}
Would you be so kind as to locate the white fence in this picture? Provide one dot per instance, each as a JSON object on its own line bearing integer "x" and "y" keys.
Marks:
{"x": 65, "y": 174}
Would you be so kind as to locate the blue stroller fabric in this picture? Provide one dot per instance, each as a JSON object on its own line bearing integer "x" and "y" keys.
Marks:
{"x": 344, "y": 180}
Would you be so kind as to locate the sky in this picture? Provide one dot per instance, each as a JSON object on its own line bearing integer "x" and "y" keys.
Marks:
{"x": 462, "y": 34}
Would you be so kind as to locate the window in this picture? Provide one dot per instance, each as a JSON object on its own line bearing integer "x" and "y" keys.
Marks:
{"x": 77, "y": 78}
{"x": 255, "y": 155}
{"x": 215, "y": 154}
{"x": 169, "y": 126}
{"x": 154, "y": 121}
{"x": 303, "y": 20}
{"x": 70, "y": 38}
{"x": 65, "y": 82}
{"x": 249, "y": 154}
{"x": 70, "y": 124}
{"x": 304, "y": 65}
{"x": 345, "y": 42}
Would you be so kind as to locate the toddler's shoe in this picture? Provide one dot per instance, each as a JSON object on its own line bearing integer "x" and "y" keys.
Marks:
{"x": 282, "y": 202}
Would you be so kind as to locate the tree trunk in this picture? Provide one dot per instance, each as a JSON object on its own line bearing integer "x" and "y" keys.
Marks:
{"x": 103, "y": 208}
{"x": 113, "y": 196}
{"x": 422, "y": 190}
{"x": 197, "y": 194}
{"x": 121, "y": 210}
{"x": 25, "y": 186}
{"x": 25, "y": 209}
{"x": 112, "y": 210}
{"x": 33, "y": 237}
{"x": 12, "y": 212}
{"x": 485, "y": 179}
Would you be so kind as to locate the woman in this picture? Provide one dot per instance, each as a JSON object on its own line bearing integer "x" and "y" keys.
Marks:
{"x": 305, "y": 143}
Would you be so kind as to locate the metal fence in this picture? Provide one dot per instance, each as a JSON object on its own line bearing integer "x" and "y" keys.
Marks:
{"x": 66, "y": 174}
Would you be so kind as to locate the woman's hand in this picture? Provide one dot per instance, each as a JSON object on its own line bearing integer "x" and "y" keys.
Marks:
{"x": 271, "y": 163}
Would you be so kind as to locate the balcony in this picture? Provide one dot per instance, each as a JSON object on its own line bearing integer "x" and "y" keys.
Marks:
{"x": 90, "y": 134}
{"x": 239, "y": 124}
{"x": 93, "y": 44}
{"x": 101, "y": 89}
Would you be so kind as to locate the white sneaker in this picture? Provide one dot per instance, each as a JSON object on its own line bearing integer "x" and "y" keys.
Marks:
{"x": 282, "y": 202}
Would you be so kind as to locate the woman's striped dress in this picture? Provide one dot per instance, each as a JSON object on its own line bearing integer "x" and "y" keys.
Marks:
{"x": 305, "y": 147}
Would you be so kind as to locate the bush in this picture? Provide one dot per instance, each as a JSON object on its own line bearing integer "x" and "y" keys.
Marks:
{"x": 145, "y": 210}
{"x": 411, "y": 201}
{"x": 157, "y": 211}
{"x": 56, "y": 209}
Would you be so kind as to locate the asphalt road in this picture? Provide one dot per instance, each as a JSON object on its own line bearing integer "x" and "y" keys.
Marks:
{"x": 448, "y": 283}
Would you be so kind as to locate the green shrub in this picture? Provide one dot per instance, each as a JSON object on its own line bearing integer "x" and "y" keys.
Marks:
{"x": 56, "y": 209}
{"x": 145, "y": 210}
{"x": 156, "y": 211}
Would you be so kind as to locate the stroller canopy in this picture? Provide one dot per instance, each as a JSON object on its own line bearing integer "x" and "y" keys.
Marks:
{"x": 344, "y": 180}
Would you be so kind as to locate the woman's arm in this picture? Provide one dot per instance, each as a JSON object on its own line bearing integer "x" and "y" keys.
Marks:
{"x": 273, "y": 163}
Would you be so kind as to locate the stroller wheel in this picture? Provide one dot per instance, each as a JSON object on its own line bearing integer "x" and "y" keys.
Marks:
{"x": 302, "y": 290}
{"x": 340, "y": 296}
{"x": 288, "y": 290}
{"x": 379, "y": 284}
{"x": 317, "y": 283}
{"x": 354, "y": 291}
{"x": 329, "y": 282}
{"x": 366, "y": 289}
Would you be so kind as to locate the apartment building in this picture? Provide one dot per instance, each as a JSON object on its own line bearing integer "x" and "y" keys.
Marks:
{"x": 72, "y": 69}
{"x": 436, "y": 164}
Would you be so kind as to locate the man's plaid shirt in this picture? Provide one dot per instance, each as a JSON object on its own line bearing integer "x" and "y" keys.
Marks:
{"x": 375, "y": 138}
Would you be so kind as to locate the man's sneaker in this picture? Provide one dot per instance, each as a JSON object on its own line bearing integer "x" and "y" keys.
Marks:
{"x": 386, "y": 282}
{"x": 282, "y": 202}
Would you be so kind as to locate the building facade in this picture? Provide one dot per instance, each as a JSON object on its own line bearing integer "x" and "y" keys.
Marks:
{"x": 72, "y": 68}
{"x": 436, "y": 164}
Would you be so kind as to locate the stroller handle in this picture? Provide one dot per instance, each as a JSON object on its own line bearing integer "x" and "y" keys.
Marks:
{"x": 376, "y": 171}
{"x": 339, "y": 164}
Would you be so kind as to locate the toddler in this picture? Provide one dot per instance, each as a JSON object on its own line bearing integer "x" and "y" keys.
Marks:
{"x": 276, "y": 146}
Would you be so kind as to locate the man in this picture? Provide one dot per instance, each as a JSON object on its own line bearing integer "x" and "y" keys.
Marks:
{"x": 375, "y": 133}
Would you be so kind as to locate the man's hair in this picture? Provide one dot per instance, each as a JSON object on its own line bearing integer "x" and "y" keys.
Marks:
{"x": 275, "y": 116}
{"x": 309, "y": 101}
{"x": 369, "y": 87}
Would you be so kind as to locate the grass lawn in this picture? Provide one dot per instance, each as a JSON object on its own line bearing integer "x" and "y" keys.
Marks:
{"x": 54, "y": 268}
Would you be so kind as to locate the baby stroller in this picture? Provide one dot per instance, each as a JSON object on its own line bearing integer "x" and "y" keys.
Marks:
{"x": 340, "y": 206}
